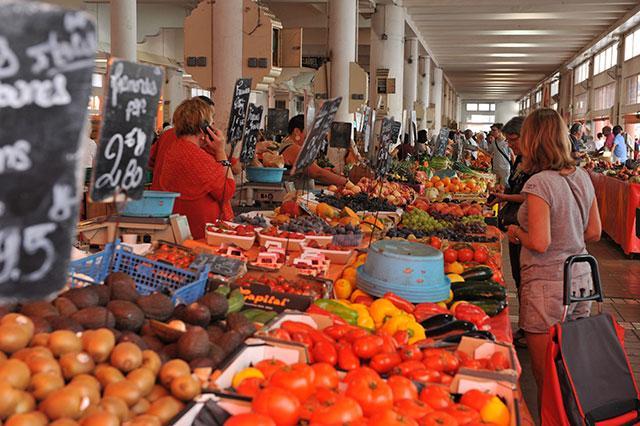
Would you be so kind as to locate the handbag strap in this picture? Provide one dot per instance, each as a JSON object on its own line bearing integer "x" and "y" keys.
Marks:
{"x": 503, "y": 154}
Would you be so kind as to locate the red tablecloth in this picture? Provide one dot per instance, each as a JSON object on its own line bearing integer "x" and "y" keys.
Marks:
{"x": 617, "y": 202}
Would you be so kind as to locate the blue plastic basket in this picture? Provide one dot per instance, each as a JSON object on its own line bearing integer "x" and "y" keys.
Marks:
{"x": 184, "y": 286}
{"x": 265, "y": 174}
{"x": 152, "y": 204}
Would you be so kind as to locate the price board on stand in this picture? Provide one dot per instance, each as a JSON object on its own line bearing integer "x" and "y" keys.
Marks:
{"x": 316, "y": 135}
{"x": 254, "y": 119}
{"x": 388, "y": 136}
{"x": 130, "y": 109}
{"x": 47, "y": 58}
{"x": 441, "y": 143}
{"x": 238, "y": 115}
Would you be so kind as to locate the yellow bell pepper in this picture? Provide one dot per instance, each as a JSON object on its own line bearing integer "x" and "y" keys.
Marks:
{"x": 357, "y": 293}
{"x": 364, "y": 318}
{"x": 405, "y": 323}
{"x": 381, "y": 310}
{"x": 416, "y": 332}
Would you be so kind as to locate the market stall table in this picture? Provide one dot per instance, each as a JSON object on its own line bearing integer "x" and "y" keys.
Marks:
{"x": 617, "y": 202}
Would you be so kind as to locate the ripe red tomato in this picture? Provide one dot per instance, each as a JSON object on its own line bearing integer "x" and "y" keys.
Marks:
{"x": 279, "y": 404}
{"x": 437, "y": 397}
{"x": 475, "y": 399}
{"x": 450, "y": 255}
{"x": 435, "y": 242}
{"x": 341, "y": 411}
{"x": 402, "y": 388}
{"x": 322, "y": 396}
{"x": 425, "y": 375}
{"x": 360, "y": 373}
{"x": 325, "y": 376}
{"x": 373, "y": 395}
{"x": 355, "y": 334}
{"x": 441, "y": 360}
{"x": 391, "y": 418}
{"x": 347, "y": 360}
{"x": 465, "y": 255}
{"x": 404, "y": 368}
{"x": 250, "y": 386}
{"x": 250, "y": 419}
{"x": 438, "y": 418}
{"x": 269, "y": 366}
{"x": 463, "y": 414}
{"x": 325, "y": 352}
{"x": 383, "y": 363}
{"x": 498, "y": 361}
{"x": 446, "y": 379}
{"x": 411, "y": 352}
{"x": 480, "y": 256}
{"x": 368, "y": 346}
{"x": 297, "y": 378}
{"x": 413, "y": 408}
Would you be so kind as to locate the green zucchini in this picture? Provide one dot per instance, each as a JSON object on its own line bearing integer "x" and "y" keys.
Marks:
{"x": 479, "y": 291}
{"x": 235, "y": 300}
{"x": 478, "y": 273}
{"x": 490, "y": 306}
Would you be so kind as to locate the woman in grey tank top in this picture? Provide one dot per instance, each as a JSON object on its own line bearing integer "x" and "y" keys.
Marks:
{"x": 559, "y": 215}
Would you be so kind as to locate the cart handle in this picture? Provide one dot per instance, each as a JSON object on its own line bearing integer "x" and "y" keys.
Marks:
{"x": 596, "y": 294}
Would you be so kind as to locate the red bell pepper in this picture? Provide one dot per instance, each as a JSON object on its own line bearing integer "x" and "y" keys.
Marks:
{"x": 315, "y": 309}
{"x": 427, "y": 310}
{"x": 472, "y": 313}
{"x": 399, "y": 302}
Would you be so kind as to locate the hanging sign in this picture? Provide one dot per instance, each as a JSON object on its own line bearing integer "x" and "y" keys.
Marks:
{"x": 129, "y": 114}
{"x": 388, "y": 136}
{"x": 46, "y": 62}
{"x": 316, "y": 135}
{"x": 254, "y": 118}
{"x": 238, "y": 113}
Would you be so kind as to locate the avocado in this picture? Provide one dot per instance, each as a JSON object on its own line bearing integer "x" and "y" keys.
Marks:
{"x": 129, "y": 317}
{"x": 156, "y": 306}
{"x": 193, "y": 344}
{"x": 217, "y": 304}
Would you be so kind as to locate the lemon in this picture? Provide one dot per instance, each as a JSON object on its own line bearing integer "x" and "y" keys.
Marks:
{"x": 245, "y": 374}
{"x": 455, "y": 278}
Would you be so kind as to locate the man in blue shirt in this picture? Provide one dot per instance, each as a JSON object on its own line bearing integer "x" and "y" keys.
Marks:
{"x": 619, "y": 145}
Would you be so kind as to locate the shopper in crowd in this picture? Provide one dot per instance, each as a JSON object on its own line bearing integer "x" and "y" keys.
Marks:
{"x": 619, "y": 145}
{"x": 558, "y": 216}
{"x": 405, "y": 150}
{"x": 290, "y": 148}
{"x": 575, "y": 136}
{"x": 89, "y": 146}
{"x": 481, "y": 140}
{"x": 198, "y": 168}
{"x": 598, "y": 142}
{"x": 470, "y": 144}
{"x": 500, "y": 154}
{"x": 421, "y": 143}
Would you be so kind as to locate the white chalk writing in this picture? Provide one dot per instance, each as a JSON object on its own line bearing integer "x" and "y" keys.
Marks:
{"x": 43, "y": 93}
{"x": 121, "y": 84}
{"x": 15, "y": 158}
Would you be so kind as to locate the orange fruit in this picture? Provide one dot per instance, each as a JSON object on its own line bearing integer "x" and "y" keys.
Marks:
{"x": 350, "y": 274}
{"x": 453, "y": 268}
{"x": 439, "y": 185}
{"x": 455, "y": 181}
{"x": 429, "y": 184}
{"x": 435, "y": 179}
{"x": 446, "y": 181}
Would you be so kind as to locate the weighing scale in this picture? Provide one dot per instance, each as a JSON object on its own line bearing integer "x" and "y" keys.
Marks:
{"x": 262, "y": 194}
{"x": 105, "y": 229}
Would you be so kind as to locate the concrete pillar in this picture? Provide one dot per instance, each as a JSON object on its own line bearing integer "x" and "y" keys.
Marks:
{"x": 387, "y": 52}
{"x": 438, "y": 98}
{"x": 410, "y": 85}
{"x": 459, "y": 112}
{"x": 176, "y": 92}
{"x": 124, "y": 29}
{"x": 271, "y": 97}
{"x": 343, "y": 27}
{"x": 292, "y": 104}
{"x": 226, "y": 65}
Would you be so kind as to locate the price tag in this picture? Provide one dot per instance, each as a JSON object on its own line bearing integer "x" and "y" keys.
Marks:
{"x": 130, "y": 109}
{"x": 316, "y": 135}
{"x": 46, "y": 61}
{"x": 388, "y": 136}
{"x": 254, "y": 118}
{"x": 238, "y": 113}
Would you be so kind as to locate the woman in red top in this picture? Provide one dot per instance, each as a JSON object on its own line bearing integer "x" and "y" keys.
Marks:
{"x": 196, "y": 166}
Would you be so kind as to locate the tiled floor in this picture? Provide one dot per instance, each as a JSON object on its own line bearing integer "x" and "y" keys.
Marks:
{"x": 620, "y": 276}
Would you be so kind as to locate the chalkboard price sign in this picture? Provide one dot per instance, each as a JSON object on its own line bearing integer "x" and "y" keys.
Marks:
{"x": 441, "y": 142}
{"x": 46, "y": 61}
{"x": 218, "y": 265}
{"x": 388, "y": 136}
{"x": 238, "y": 113}
{"x": 277, "y": 121}
{"x": 316, "y": 135}
{"x": 130, "y": 108}
{"x": 254, "y": 118}
{"x": 340, "y": 135}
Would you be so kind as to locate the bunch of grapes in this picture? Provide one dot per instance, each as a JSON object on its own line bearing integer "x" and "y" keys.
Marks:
{"x": 420, "y": 220}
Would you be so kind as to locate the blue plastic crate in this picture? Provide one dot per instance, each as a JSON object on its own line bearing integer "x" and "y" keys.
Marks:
{"x": 185, "y": 286}
{"x": 265, "y": 174}
{"x": 152, "y": 204}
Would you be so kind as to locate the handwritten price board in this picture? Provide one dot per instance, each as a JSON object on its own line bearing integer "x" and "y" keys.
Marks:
{"x": 46, "y": 62}
{"x": 254, "y": 119}
{"x": 441, "y": 142}
{"x": 316, "y": 135}
{"x": 130, "y": 109}
{"x": 238, "y": 113}
{"x": 388, "y": 136}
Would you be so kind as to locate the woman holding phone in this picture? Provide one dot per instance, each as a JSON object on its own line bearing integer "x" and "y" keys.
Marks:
{"x": 198, "y": 168}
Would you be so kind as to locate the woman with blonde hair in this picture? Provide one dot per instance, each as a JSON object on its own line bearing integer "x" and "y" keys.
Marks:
{"x": 197, "y": 167}
{"x": 558, "y": 216}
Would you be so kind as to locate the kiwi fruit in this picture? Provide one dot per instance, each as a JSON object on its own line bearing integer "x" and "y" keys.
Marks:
{"x": 157, "y": 392}
{"x": 126, "y": 390}
{"x": 43, "y": 364}
{"x": 64, "y": 341}
{"x": 84, "y": 297}
{"x": 165, "y": 408}
{"x": 98, "y": 344}
{"x": 193, "y": 344}
{"x": 172, "y": 369}
{"x": 64, "y": 323}
{"x": 122, "y": 286}
{"x": 106, "y": 374}
{"x": 8, "y": 400}
{"x": 18, "y": 319}
{"x": 40, "y": 339}
{"x": 42, "y": 384}
{"x": 64, "y": 422}
{"x": 34, "y": 418}
{"x": 131, "y": 337}
{"x": 87, "y": 379}
{"x": 65, "y": 306}
{"x": 217, "y": 304}
{"x": 87, "y": 390}
{"x": 13, "y": 337}
{"x": 151, "y": 361}
{"x": 39, "y": 309}
{"x": 156, "y": 306}
{"x": 144, "y": 420}
{"x": 100, "y": 418}
{"x": 94, "y": 317}
{"x": 74, "y": 363}
{"x": 185, "y": 388}
{"x": 195, "y": 314}
{"x": 104, "y": 294}
{"x": 126, "y": 356}
{"x": 16, "y": 373}
{"x": 141, "y": 407}
{"x": 67, "y": 402}
{"x": 115, "y": 405}
{"x": 143, "y": 378}
{"x": 25, "y": 403}
{"x": 128, "y": 316}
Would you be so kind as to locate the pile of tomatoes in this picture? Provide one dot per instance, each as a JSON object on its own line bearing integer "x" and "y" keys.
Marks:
{"x": 280, "y": 284}
{"x": 467, "y": 253}
{"x": 176, "y": 256}
{"x": 274, "y": 232}
{"x": 240, "y": 230}
{"x": 289, "y": 394}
